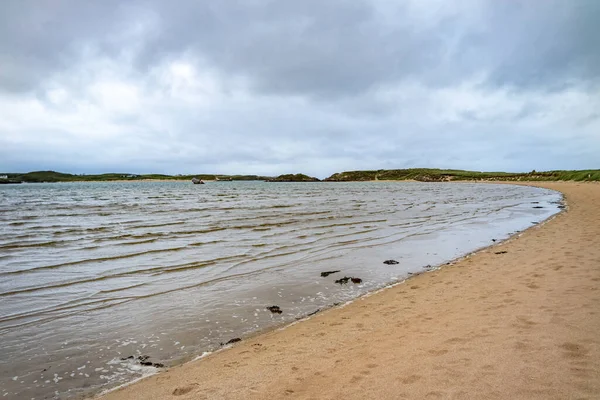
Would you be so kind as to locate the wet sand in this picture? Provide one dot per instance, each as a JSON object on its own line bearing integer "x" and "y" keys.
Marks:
{"x": 524, "y": 324}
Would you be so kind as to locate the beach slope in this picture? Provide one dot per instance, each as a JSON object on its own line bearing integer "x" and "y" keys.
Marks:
{"x": 524, "y": 324}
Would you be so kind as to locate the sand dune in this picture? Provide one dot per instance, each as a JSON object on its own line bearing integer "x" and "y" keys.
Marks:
{"x": 524, "y": 324}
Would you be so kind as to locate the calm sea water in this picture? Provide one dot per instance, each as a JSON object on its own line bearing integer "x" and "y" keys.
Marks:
{"x": 93, "y": 273}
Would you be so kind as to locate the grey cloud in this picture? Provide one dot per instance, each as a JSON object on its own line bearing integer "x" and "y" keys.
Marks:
{"x": 544, "y": 44}
{"x": 314, "y": 48}
{"x": 320, "y": 49}
{"x": 38, "y": 39}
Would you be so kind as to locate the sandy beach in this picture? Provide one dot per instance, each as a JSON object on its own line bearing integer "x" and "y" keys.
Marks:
{"x": 518, "y": 320}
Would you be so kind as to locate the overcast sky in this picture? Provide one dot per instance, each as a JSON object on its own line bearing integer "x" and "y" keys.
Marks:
{"x": 313, "y": 86}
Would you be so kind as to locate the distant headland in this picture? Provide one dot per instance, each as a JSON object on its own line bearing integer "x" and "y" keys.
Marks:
{"x": 414, "y": 174}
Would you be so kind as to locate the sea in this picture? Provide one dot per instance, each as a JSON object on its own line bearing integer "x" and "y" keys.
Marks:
{"x": 102, "y": 283}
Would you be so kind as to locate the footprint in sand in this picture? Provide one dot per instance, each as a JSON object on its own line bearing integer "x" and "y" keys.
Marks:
{"x": 574, "y": 350}
{"x": 180, "y": 391}
{"x": 438, "y": 352}
{"x": 410, "y": 379}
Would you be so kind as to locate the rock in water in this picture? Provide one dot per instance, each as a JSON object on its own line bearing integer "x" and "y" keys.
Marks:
{"x": 327, "y": 273}
{"x": 343, "y": 280}
{"x": 356, "y": 280}
{"x": 274, "y": 309}
{"x": 391, "y": 262}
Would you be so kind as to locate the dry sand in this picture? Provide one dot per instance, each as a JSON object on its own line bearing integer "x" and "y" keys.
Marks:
{"x": 520, "y": 325}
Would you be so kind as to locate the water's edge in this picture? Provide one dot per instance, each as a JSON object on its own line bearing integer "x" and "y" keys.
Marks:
{"x": 332, "y": 307}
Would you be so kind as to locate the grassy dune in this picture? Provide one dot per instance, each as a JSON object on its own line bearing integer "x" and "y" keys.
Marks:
{"x": 440, "y": 175}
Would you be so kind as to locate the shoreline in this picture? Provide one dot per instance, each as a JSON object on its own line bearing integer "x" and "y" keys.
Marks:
{"x": 158, "y": 385}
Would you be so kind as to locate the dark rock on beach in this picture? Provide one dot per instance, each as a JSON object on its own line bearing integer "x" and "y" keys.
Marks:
{"x": 231, "y": 341}
{"x": 501, "y": 252}
{"x": 327, "y": 273}
{"x": 274, "y": 309}
{"x": 309, "y": 314}
{"x": 391, "y": 262}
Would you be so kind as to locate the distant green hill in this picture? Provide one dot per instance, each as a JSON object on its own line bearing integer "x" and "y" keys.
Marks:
{"x": 52, "y": 176}
{"x": 294, "y": 178}
{"x": 442, "y": 175}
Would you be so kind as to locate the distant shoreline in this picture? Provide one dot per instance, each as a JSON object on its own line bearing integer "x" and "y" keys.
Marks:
{"x": 411, "y": 174}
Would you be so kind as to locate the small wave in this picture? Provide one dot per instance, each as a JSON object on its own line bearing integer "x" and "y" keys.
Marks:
{"x": 91, "y": 260}
{"x": 82, "y": 231}
{"x": 199, "y": 231}
{"x": 154, "y": 235}
{"x": 136, "y": 243}
{"x": 20, "y": 245}
{"x": 157, "y": 225}
{"x": 18, "y": 223}
{"x": 204, "y": 243}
